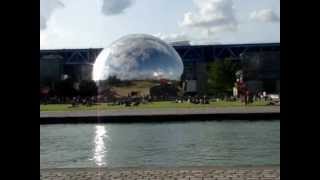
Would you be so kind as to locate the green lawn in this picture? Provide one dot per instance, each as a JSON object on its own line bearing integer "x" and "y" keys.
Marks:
{"x": 154, "y": 105}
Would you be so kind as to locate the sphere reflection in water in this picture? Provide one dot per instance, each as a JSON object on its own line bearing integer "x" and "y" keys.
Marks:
{"x": 137, "y": 62}
{"x": 100, "y": 147}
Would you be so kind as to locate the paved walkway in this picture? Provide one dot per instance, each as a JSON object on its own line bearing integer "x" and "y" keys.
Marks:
{"x": 154, "y": 112}
{"x": 187, "y": 173}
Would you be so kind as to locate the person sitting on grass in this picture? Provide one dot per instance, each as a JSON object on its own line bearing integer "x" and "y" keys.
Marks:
{"x": 127, "y": 102}
{"x": 189, "y": 99}
{"x": 136, "y": 102}
{"x": 201, "y": 101}
{"x": 74, "y": 102}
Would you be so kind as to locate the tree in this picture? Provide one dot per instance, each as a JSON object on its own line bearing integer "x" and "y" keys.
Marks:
{"x": 88, "y": 88}
{"x": 113, "y": 80}
{"x": 221, "y": 76}
{"x": 65, "y": 88}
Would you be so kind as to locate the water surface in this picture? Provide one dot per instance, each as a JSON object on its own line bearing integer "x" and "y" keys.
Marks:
{"x": 160, "y": 144}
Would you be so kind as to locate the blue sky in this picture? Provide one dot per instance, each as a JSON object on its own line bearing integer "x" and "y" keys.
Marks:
{"x": 97, "y": 23}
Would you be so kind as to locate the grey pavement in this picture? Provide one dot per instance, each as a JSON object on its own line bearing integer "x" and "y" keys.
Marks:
{"x": 154, "y": 112}
{"x": 182, "y": 173}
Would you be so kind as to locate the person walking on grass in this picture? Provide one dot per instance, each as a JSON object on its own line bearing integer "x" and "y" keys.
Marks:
{"x": 264, "y": 94}
{"x": 246, "y": 97}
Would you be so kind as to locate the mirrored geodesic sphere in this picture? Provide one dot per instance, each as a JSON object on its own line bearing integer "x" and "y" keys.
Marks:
{"x": 138, "y": 57}
{"x": 137, "y": 62}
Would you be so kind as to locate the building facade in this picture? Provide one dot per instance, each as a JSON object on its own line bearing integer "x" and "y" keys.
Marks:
{"x": 263, "y": 60}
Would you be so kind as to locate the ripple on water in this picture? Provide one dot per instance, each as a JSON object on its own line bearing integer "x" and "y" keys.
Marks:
{"x": 163, "y": 144}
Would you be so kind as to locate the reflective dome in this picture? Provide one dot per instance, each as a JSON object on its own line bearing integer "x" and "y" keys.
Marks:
{"x": 138, "y": 57}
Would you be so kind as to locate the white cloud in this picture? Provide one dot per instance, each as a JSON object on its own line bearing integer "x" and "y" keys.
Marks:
{"x": 205, "y": 42}
{"x": 43, "y": 39}
{"x": 213, "y": 15}
{"x": 264, "y": 15}
{"x": 114, "y": 7}
{"x": 200, "y": 38}
{"x": 47, "y": 7}
{"x": 172, "y": 37}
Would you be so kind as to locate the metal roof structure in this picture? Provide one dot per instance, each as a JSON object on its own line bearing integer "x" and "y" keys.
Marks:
{"x": 188, "y": 53}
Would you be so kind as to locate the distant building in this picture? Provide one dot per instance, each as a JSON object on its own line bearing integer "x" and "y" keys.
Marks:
{"x": 262, "y": 71}
{"x": 51, "y": 68}
{"x": 263, "y": 62}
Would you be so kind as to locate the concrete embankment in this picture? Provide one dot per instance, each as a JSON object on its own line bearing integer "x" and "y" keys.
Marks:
{"x": 180, "y": 173}
{"x": 162, "y": 115}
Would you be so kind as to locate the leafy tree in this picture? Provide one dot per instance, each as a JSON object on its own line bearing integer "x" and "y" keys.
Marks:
{"x": 250, "y": 68}
{"x": 113, "y": 80}
{"x": 88, "y": 88}
{"x": 221, "y": 76}
{"x": 65, "y": 88}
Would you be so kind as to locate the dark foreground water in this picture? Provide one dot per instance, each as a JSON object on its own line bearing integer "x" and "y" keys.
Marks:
{"x": 160, "y": 144}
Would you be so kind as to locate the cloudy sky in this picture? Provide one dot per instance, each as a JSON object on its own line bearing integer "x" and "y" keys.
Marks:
{"x": 97, "y": 23}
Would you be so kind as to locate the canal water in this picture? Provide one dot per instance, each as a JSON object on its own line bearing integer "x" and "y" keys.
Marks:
{"x": 226, "y": 143}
